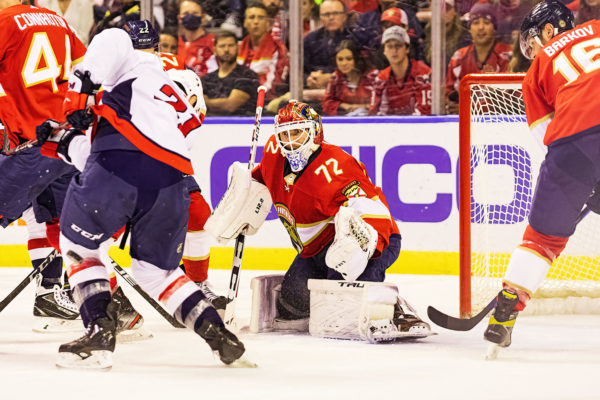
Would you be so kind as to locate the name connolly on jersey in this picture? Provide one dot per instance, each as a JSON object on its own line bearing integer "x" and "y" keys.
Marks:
{"x": 568, "y": 37}
{"x": 26, "y": 20}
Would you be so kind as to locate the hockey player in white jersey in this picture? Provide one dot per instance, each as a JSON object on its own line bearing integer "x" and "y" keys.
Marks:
{"x": 133, "y": 173}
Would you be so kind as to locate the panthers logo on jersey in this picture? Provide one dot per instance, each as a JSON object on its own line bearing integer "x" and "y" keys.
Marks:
{"x": 289, "y": 222}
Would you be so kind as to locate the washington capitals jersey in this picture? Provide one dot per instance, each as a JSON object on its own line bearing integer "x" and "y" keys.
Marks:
{"x": 140, "y": 100}
{"x": 308, "y": 201}
{"x": 560, "y": 88}
{"x": 37, "y": 50}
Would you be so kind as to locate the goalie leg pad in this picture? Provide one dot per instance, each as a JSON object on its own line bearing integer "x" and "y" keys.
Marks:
{"x": 343, "y": 310}
{"x": 245, "y": 204}
{"x": 354, "y": 244}
{"x": 266, "y": 290}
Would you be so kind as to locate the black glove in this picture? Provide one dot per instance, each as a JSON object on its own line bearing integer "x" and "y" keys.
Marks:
{"x": 81, "y": 119}
{"x": 43, "y": 131}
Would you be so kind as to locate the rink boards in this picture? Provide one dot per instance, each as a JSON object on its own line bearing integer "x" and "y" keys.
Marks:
{"x": 413, "y": 159}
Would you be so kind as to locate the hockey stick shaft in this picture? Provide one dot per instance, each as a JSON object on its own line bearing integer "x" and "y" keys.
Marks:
{"x": 33, "y": 142}
{"x": 153, "y": 303}
{"x": 31, "y": 276}
{"x": 234, "y": 280}
{"x": 459, "y": 324}
{"x": 129, "y": 279}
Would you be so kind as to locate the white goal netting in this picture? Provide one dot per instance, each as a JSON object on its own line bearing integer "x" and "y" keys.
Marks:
{"x": 504, "y": 164}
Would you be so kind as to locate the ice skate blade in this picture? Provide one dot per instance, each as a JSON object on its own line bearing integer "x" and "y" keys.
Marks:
{"x": 56, "y": 325}
{"x": 100, "y": 360}
{"x": 134, "y": 335}
{"x": 492, "y": 351}
{"x": 242, "y": 362}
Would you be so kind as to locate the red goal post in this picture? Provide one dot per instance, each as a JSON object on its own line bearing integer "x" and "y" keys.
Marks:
{"x": 464, "y": 122}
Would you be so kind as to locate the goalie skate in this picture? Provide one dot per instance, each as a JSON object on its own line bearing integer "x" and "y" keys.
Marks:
{"x": 385, "y": 331}
{"x": 55, "y": 311}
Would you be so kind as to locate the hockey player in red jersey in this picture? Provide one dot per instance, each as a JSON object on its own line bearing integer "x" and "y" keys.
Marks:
{"x": 337, "y": 219}
{"x": 561, "y": 106}
{"x": 134, "y": 173}
{"x": 37, "y": 50}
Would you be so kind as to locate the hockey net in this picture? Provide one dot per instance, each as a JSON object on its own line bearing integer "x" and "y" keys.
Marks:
{"x": 499, "y": 163}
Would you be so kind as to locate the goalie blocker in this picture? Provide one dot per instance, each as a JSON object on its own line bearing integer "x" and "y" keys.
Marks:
{"x": 245, "y": 205}
{"x": 371, "y": 311}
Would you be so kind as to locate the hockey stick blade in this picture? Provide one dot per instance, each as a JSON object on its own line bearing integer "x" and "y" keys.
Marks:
{"x": 31, "y": 276}
{"x": 458, "y": 324}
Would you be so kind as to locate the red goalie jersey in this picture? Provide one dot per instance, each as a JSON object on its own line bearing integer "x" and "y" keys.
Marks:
{"x": 307, "y": 201}
{"x": 563, "y": 73}
{"x": 37, "y": 50}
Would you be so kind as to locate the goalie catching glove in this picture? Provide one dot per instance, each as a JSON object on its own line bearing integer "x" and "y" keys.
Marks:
{"x": 244, "y": 205}
{"x": 54, "y": 141}
{"x": 354, "y": 244}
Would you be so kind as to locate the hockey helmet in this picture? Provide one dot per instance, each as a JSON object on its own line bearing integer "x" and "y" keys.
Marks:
{"x": 299, "y": 133}
{"x": 191, "y": 85}
{"x": 550, "y": 11}
{"x": 142, "y": 34}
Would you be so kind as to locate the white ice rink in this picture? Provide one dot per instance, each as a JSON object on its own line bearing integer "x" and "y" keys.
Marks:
{"x": 554, "y": 357}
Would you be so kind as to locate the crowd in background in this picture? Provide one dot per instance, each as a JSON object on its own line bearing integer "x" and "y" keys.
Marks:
{"x": 361, "y": 57}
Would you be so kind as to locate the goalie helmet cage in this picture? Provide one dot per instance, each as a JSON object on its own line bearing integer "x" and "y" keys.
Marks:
{"x": 498, "y": 166}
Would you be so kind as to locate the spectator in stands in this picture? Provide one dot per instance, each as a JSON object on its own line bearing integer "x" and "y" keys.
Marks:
{"x": 518, "y": 62}
{"x": 486, "y": 54}
{"x": 167, "y": 42}
{"x": 114, "y": 14}
{"x": 261, "y": 53}
{"x": 320, "y": 45}
{"x": 588, "y": 9}
{"x": 279, "y": 20}
{"x": 370, "y": 26}
{"x": 195, "y": 44}
{"x": 360, "y": 6}
{"x": 310, "y": 16}
{"x": 78, "y": 13}
{"x": 457, "y": 35}
{"x": 351, "y": 86}
{"x": 231, "y": 89}
{"x": 510, "y": 16}
{"x": 404, "y": 87}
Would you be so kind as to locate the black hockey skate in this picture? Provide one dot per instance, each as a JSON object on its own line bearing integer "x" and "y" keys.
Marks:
{"x": 127, "y": 317}
{"x": 94, "y": 349}
{"x": 55, "y": 311}
{"x": 218, "y": 302}
{"x": 222, "y": 342}
{"x": 408, "y": 321}
{"x": 503, "y": 318}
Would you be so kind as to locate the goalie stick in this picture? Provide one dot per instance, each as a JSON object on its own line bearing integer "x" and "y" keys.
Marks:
{"x": 31, "y": 276}
{"x": 466, "y": 324}
{"x": 234, "y": 281}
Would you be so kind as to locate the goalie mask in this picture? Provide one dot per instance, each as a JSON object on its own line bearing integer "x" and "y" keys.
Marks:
{"x": 299, "y": 133}
{"x": 191, "y": 85}
{"x": 548, "y": 12}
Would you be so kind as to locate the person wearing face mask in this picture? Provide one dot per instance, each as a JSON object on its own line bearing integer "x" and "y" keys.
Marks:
{"x": 195, "y": 44}
{"x": 336, "y": 218}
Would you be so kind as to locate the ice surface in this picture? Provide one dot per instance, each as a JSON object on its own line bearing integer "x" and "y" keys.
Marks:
{"x": 554, "y": 357}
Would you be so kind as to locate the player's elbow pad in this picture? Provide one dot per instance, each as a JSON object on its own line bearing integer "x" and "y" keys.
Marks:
{"x": 244, "y": 205}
